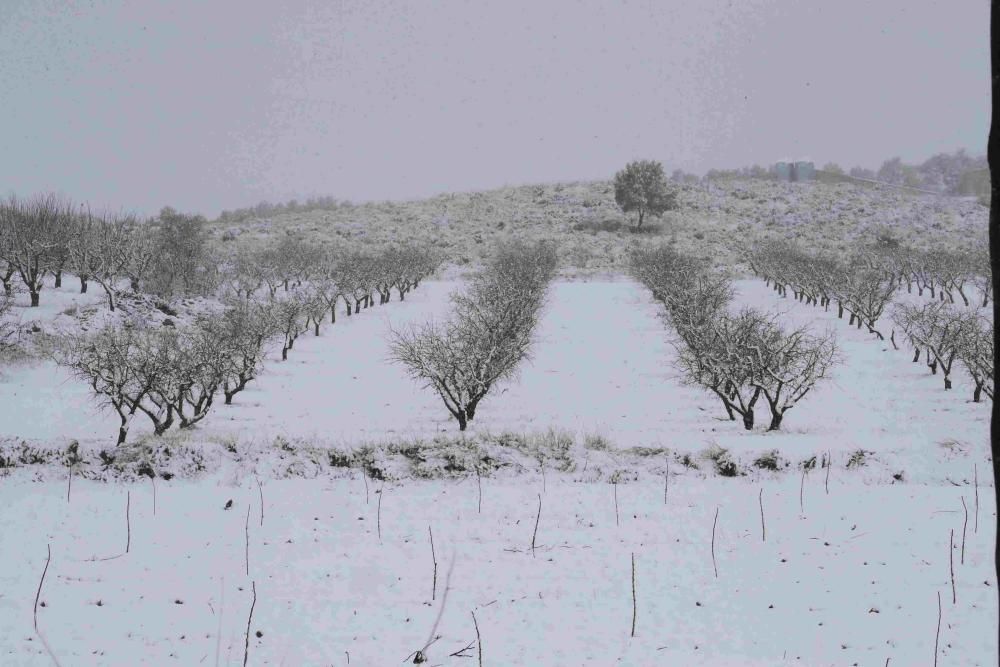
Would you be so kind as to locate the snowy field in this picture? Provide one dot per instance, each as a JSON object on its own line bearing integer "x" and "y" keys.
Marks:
{"x": 603, "y": 365}
{"x": 846, "y": 576}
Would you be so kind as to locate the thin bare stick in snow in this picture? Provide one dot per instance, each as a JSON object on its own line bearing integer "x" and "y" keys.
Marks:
{"x": 364, "y": 476}
{"x": 802, "y": 488}
{"x": 937, "y": 635}
{"x": 951, "y": 563}
{"x": 537, "y": 517}
{"x": 247, "y": 533}
{"x": 763, "y": 531}
{"x": 479, "y": 641}
{"x": 975, "y": 482}
{"x": 714, "y": 566}
{"x": 829, "y": 464}
{"x": 421, "y": 655}
{"x": 260, "y": 492}
{"x": 128, "y": 521}
{"x": 38, "y": 594}
{"x": 965, "y": 525}
{"x": 433, "y": 558}
{"x": 666, "y": 482}
{"x": 246, "y": 646}
{"x": 633, "y": 595}
{"x": 479, "y": 484}
{"x": 378, "y": 514}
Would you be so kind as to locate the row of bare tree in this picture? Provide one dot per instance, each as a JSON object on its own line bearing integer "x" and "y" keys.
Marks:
{"x": 47, "y": 236}
{"x": 740, "y": 358}
{"x": 947, "y": 334}
{"x": 173, "y": 375}
{"x": 866, "y": 283}
{"x": 488, "y": 334}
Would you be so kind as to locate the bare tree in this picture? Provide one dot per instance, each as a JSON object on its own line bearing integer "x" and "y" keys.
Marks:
{"x": 489, "y": 335}
{"x": 243, "y": 331}
{"x": 975, "y": 351}
{"x": 713, "y": 356}
{"x": 786, "y": 365}
{"x": 32, "y": 230}
{"x": 121, "y": 364}
{"x": 100, "y": 251}
{"x": 244, "y": 275}
{"x": 289, "y": 314}
{"x": 938, "y": 328}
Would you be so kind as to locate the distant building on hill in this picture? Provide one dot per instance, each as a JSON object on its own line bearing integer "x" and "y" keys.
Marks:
{"x": 799, "y": 170}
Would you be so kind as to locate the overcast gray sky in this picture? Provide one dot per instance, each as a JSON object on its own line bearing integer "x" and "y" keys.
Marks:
{"x": 212, "y": 105}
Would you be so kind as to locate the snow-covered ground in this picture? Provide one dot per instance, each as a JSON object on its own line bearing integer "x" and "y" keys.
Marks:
{"x": 849, "y": 577}
{"x": 602, "y": 366}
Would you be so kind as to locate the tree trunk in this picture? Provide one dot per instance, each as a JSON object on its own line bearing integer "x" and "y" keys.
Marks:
{"x": 348, "y": 304}
{"x": 933, "y": 366}
{"x": 916, "y": 355}
{"x": 748, "y": 420}
{"x": 58, "y": 279}
{"x": 840, "y": 310}
{"x": 34, "y": 298}
{"x": 947, "y": 382}
{"x": 851, "y": 320}
{"x": 978, "y": 393}
{"x": 463, "y": 423}
{"x": 333, "y": 315}
{"x": 122, "y": 432}
{"x": 316, "y": 328}
{"x": 776, "y": 417}
{"x": 134, "y": 284}
{"x": 284, "y": 352}
{"x": 83, "y": 284}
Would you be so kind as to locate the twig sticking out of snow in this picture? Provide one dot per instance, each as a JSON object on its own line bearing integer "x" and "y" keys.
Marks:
{"x": 433, "y": 558}
{"x": 763, "y": 530}
{"x": 951, "y": 563}
{"x": 260, "y": 492}
{"x": 802, "y": 488}
{"x": 965, "y": 525}
{"x": 479, "y": 484}
{"x": 378, "y": 514}
{"x": 975, "y": 482}
{"x": 716, "y": 521}
{"x": 937, "y": 635}
{"x": 666, "y": 482}
{"x": 364, "y": 476}
{"x": 246, "y": 645}
{"x": 535, "y": 532}
{"x": 479, "y": 641}
{"x": 421, "y": 655}
{"x": 633, "y": 595}
{"x": 829, "y": 464}
{"x": 128, "y": 521}
{"x": 247, "y": 533}
{"x": 38, "y": 594}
